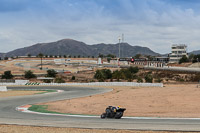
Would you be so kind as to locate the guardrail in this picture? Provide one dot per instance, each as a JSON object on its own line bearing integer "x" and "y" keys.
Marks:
{"x": 89, "y": 84}
{"x": 180, "y": 69}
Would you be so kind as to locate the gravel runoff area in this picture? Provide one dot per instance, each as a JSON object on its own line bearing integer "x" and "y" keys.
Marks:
{"x": 173, "y": 100}
{"x": 30, "y": 129}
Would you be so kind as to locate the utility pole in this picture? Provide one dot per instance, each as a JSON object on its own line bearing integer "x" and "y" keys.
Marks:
{"x": 119, "y": 46}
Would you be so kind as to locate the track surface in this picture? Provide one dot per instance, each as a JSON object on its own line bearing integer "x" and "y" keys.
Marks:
{"x": 8, "y": 114}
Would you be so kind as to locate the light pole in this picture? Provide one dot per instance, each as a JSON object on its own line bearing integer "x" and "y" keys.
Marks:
{"x": 119, "y": 46}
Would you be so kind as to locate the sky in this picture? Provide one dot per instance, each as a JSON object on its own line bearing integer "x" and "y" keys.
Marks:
{"x": 156, "y": 24}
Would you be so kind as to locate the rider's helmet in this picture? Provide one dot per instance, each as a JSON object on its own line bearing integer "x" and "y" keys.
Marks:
{"x": 118, "y": 107}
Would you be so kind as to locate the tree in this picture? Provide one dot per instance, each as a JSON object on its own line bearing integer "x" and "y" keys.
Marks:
{"x": 111, "y": 56}
{"x": 148, "y": 78}
{"x": 116, "y": 75}
{"x": 79, "y": 56}
{"x": 29, "y": 74}
{"x": 5, "y": 58}
{"x": 133, "y": 69}
{"x": 51, "y": 73}
{"x": 191, "y": 57}
{"x": 137, "y": 56}
{"x": 64, "y": 56}
{"x": 183, "y": 59}
{"x": 29, "y": 55}
{"x": 73, "y": 77}
{"x": 99, "y": 75}
{"x": 7, "y": 75}
{"x": 101, "y": 55}
{"x": 196, "y": 58}
{"x": 107, "y": 73}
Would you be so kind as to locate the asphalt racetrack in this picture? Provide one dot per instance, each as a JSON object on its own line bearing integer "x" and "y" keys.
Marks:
{"x": 9, "y": 115}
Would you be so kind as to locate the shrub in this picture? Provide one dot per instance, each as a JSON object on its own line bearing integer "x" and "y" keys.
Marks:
{"x": 148, "y": 78}
{"x": 139, "y": 80}
{"x": 51, "y": 73}
{"x": 7, "y": 75}
{"x": 158, "y": 80}
{"x": 29, "y": 74}
{"x": 99, "y": 75}
{"x": 183, "y": 59}
{"x": 133, "y": 69}
{"x": 59, "y": 80}
{"x": 73, "y": 77}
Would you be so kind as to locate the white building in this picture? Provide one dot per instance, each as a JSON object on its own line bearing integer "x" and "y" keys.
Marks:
{"x": 178, "y": 51}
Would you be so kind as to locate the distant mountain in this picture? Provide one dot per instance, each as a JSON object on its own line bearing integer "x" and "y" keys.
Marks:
{"x": 2, "y": 54}
{"x": 75, "y": 48}
{"x": 195, "y": 52}
{"x": 126, "y": 50}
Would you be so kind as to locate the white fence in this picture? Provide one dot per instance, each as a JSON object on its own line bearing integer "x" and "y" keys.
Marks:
{"x": 90, "y": 84}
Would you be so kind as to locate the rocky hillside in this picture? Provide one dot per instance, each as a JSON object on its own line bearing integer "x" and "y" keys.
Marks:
{"x": 75, "y": 48}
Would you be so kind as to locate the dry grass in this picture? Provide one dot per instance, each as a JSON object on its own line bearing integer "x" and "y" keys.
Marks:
{"x": 29, "y": 129}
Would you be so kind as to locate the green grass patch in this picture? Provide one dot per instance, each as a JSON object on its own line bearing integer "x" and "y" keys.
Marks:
{"x": 43, "y": 109}
{"x": 46, "y": 91}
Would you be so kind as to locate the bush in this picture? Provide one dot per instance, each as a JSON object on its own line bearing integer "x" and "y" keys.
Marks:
{"x": 139, "y": 80}
{"x": 158, "y": 80}
{"x": 7, "y": 75}
{"x": 29, "y": 74}
{"x": 59, "y": 80}
{"x": 103, "y": 74}
{"x": 51, "y": 73}
{"x": 133, "y": 69}
{"x": 148, "y": 78}
{"x": 183, "y": 59}
{"x": 116, "y": 75}
{"x": 73, "y": 77}
{"x": 99, "y": 75}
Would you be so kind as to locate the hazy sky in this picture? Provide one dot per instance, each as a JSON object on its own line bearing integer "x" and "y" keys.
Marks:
{"x": 156, "y": 24}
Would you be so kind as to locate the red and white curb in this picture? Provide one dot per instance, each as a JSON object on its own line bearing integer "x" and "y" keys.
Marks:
{"x": 25, "y": 110}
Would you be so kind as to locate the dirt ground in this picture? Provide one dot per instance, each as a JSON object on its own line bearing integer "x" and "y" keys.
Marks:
{"x": 29, "y": 129}
{"x": 176, "y": 100}
{"x": 18, "y": 93}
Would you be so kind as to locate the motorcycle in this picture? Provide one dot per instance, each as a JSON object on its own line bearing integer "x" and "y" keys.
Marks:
{"x": 113, "y": 112}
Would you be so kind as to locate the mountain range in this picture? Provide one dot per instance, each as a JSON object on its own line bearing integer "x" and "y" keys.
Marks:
{"x": 75, "y": 48}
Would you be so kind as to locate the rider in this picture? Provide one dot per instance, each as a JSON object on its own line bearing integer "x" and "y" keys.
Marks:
{"x": 114, "y": 109}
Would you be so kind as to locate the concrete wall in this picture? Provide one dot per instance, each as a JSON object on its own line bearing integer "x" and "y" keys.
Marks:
{"x": 94, "y": 84}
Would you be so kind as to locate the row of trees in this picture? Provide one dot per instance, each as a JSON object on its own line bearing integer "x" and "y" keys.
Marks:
{"x": 29, "y": 74}
{"x": 127, "y": 74}
{"x": 60, "y": 56}
{"x": 192, "y": 58}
